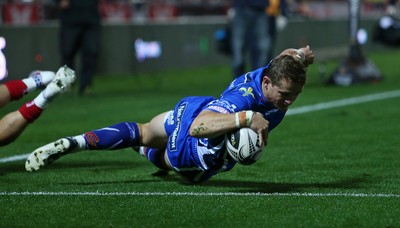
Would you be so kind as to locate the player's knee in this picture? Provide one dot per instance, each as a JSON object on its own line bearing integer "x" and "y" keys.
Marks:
{"x": 157, "y": 157}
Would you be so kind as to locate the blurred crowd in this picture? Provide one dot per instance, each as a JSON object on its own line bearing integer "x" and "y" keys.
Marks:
{"x": 36, "y": 11}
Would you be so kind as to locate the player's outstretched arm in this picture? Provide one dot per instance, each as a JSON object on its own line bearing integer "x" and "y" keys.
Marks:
{"x": 308, "y": 55}
{"x": 210, "y": 124}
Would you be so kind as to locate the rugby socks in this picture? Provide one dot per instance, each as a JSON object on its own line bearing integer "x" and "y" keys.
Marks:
{"x": 155, "y": 156}
{"x": 37, "y": 79}
{"x": 33, "y": 109}
{"x": 118, "y": 136}
{"x": 16, "y": 88}
{"x": 30, "y": 111}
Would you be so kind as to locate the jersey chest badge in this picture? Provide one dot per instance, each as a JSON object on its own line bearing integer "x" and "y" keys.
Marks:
{"x": 247, "y": 92}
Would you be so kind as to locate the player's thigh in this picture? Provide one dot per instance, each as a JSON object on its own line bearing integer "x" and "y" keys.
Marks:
{"x": 153, "y": 133}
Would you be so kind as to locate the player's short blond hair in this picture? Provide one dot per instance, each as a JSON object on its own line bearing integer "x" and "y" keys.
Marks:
{"x": 286, "y": 67}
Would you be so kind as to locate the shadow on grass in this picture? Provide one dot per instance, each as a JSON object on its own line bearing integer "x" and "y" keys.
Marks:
{"x": 270, "y": 187}
{"x": 232, "y": 185}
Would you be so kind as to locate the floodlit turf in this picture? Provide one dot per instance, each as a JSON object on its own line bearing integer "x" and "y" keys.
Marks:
{"x": 337, "y": 167}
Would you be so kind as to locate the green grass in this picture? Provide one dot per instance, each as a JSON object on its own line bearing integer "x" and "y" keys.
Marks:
{"x": 346, "y": 150}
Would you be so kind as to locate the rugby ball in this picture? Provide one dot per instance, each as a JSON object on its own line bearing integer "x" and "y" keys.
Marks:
{"x": 243, "y": 145}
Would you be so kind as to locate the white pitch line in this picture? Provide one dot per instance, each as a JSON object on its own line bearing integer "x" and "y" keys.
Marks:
{"x": 14, "y": 158}
{"x": 294, "y": 194}
{"x": 344, "y": 102}
{"x": 294, "y": 111}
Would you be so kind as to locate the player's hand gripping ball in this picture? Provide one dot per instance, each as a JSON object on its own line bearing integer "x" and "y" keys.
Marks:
{"x": 243, "y": 145}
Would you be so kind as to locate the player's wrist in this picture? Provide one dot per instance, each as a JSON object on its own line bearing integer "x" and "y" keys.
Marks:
{"x": 237, "y": 120}
{"x": 243, "y": 118}
{"x": 301, "y": 55}
{"x": 249, "y": 117}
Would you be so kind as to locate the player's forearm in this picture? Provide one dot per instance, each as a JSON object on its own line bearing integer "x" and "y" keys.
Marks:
{"x": 211, "y": 124}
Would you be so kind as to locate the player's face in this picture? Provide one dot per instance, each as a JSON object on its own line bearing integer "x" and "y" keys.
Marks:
{"x": 282, "y": 95}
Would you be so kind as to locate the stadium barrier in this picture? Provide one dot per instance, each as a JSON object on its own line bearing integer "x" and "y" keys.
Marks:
{"x": 158, "y": 46}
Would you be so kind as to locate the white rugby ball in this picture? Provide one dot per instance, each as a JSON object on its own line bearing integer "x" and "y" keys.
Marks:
{"x": 243, "y": 145}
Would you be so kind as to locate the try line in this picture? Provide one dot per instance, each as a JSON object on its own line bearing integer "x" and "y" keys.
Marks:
{"x": 293, "y": 194}
{"x": 293, "y": 111}
{"x": 344, "y": 102}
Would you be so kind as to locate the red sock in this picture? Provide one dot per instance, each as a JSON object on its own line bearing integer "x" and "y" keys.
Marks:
{"x": 17, "y": 89}
{"x": 30, "y": 111}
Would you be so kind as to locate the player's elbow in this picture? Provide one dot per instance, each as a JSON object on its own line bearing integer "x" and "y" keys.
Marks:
{"x": 197, "y": 129}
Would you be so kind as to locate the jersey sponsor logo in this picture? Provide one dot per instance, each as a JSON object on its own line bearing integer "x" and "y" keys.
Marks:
{"x": 270, "y": 112}
{"x": 221, "y": 106}
{"x": 170, "y": 118}
{"x": 218, "y": 109}
{"x": 174, "y": 136}
{"x": 247, "y": 92}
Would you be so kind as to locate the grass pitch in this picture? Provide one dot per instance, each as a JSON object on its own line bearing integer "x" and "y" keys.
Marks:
{"x": 337, "y": 167}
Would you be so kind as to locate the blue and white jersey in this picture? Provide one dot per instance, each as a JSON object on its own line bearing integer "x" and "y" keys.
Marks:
{"x": 197, "y": 159}
{"x": 245, "y": 93}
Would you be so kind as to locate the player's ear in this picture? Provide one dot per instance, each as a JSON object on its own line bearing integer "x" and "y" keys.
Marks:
{"x": 266, "y": 80}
